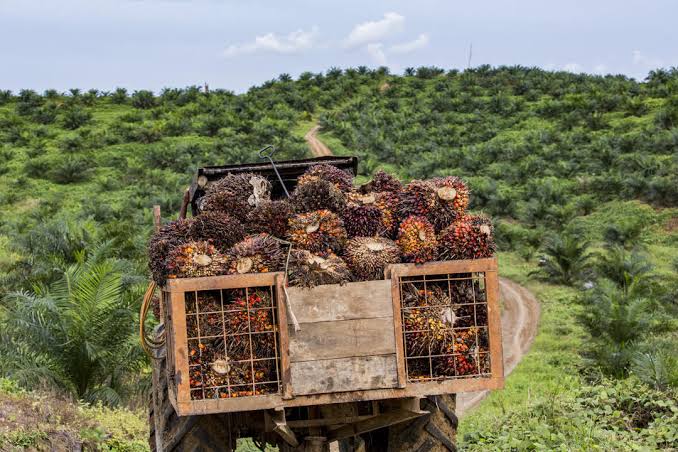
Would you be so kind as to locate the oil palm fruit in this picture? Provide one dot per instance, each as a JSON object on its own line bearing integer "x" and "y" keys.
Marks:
{"x": 338, "y": 177}
{"x": 162, "y": 243}
{"x": 236, "y": 194}
{"x": 382, "y": 182}
{"x": 418, "y": 198}
{"x": 363, "y": 220}
{"x": 318, "y": 194}
{"x": 196, "y": 259}
{"x": 320, "y": 232}
{"x": 470, "y": 237}
{"x": 271, "y": 217}
{"x": 220, "y": 229}
{"x": 258, "y": 253}
{"x": 417, "y": 240}
{"x": 452, "y": 200}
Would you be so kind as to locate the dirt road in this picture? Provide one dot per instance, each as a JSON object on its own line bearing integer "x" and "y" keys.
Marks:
{"x": 519, "y": 321}
{"x": 519, "y": 318}
{"x": 318, "y": 148}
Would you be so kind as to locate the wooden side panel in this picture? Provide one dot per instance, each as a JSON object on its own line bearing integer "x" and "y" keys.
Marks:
{"x": 398, "y": 330}
{"x": 344, "y": 374}
{"x": 285, "y": 378}
{"x": 360, "y": 300}
{"x": 494, "y": 324}
{"x": 178, "y": 310}
{"x": 443, "y": 267}
{"x": 222, "y": 282}
{"x": 342, "y": 339}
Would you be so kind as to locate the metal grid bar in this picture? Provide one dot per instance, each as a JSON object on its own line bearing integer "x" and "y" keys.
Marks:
{"x": 472, "y": 360}
{"x": 207, "y": 299}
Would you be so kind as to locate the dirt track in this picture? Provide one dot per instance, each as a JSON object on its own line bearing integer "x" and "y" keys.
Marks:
{"x": 519, "y": 317}
{"x": 318, "y": 148}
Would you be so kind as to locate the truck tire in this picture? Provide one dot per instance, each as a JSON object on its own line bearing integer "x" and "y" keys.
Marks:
{"x": 169, "y": 432}
{"x": 435, "y": 432}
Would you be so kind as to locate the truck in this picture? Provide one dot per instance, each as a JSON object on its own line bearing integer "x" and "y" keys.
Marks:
{"x": 335, "y": 363}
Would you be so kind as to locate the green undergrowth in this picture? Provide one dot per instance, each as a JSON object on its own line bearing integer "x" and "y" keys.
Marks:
{"x": 43, "y": 422}
{"x": 547, "y": 404}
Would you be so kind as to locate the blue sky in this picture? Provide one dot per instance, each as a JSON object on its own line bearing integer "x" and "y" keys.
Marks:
{"x": 233, "y": 45}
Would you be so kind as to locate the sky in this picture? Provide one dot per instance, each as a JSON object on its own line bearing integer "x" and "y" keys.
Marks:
{"x": 152, "y": 44}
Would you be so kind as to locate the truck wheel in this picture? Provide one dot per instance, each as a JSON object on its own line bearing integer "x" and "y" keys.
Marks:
{"x": 435, "y": 432}
{"x": 169, "y": 432}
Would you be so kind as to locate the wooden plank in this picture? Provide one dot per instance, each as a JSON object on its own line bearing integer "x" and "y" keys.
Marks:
{"x": 398, "y": 330}
{"x": 272, "y": 401}
{"x": 178, "y": 312}
{"x": 222, "y": 282}
{"x": 443, "y": 267}
{"x": 374, "y": 423}
{"x": 358, "y": 300}
{"x": 494, "y": 325}
{"x": 344, "y": 374}
{"x": 284, "y": 338}
{"x": 342, "y": 339}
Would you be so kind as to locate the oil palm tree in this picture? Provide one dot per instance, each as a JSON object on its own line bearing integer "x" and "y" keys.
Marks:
{"x": 565, "y": 259}
{"x": 74, "y": 335}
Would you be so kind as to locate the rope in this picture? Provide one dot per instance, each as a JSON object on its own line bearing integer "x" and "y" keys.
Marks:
{"x": 147, "y": 343}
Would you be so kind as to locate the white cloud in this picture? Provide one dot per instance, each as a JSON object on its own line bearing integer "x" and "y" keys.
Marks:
{"x": 572, "y": 67}
{"x": 376, "y": 51}
{"x": 407, "y": 47}
{"x": 643, "y": 60}
{"x": 373, "y": 31}
{"x": 294, "y": 42}
{"x": 600, "y": 69}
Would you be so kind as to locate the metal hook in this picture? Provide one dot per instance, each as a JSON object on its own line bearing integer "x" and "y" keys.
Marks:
{"x": 269, "y": 156}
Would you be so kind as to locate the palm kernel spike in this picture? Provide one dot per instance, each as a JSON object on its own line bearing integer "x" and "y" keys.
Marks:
{"x": 259, "y": 253}
{"x": 417, "y": 240}
{"x": 271, "y": 217}
{"x": 310, "y": 270}
{"x": 220, "y": 229}
{"x": 340, "y": 178}
{"x": 367, "y": 257}
{"x": 318, "y": 194}
{"x": 196, "y": 259}
{"x": 320, "y": 232}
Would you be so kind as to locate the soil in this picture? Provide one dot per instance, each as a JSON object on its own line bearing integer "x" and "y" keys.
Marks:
{"x": 318, "y": 148}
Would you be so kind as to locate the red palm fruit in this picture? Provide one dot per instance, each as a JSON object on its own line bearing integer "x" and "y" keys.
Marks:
{"x": 417, "y": 240}
{"x": 363, "y": 220}
{"x": 418, "y": 198}
{"x": 382, "y": 182}
{"x": 320, "y": 232}
{"x": 470, "y": 237}
{"x": 338, "y": 177}
{"x": 256, "y": 254}
{"x": 452, "y": 200}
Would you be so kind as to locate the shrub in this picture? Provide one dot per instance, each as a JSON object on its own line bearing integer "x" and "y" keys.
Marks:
{"x": 143, "y": 99}
{"x": 75, "y": 117}
{"x": 70, "y": 170}
{"x": 119, "y": 96}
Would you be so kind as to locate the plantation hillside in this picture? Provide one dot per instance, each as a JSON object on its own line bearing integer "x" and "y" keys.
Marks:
{"x": 580, "y": 173}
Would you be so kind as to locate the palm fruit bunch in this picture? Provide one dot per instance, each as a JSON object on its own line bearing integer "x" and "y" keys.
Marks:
{"x": 318, "y": 194}
{"x": 258, "y": 253}
{"x": 387, "y": 203}
{"x": 417, "y": 198}
{"x": 220, "y": 229}
{"x": 382, "y": 182}
{"x": 470, "y": 237}
{"x": 195, "y": 259}
{"x": 338, "y": 177}
{"x": 363, "y": 220}
{"x": 466, "y": 357}
{"x": 320, "y": 232}
{"x": 236, "y": 194}
{"x": 417, "y": 240}
{"x": 452, "y": 200}
{"x": 310, "y": 270}
{"x": 270, "y": 217}
{"x": 162, "y": 243}
{"x": 367, "y": 257}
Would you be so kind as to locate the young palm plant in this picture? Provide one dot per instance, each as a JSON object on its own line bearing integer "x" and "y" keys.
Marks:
{"x": 565, "y": 259}
{"x": 74, "y": 335}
